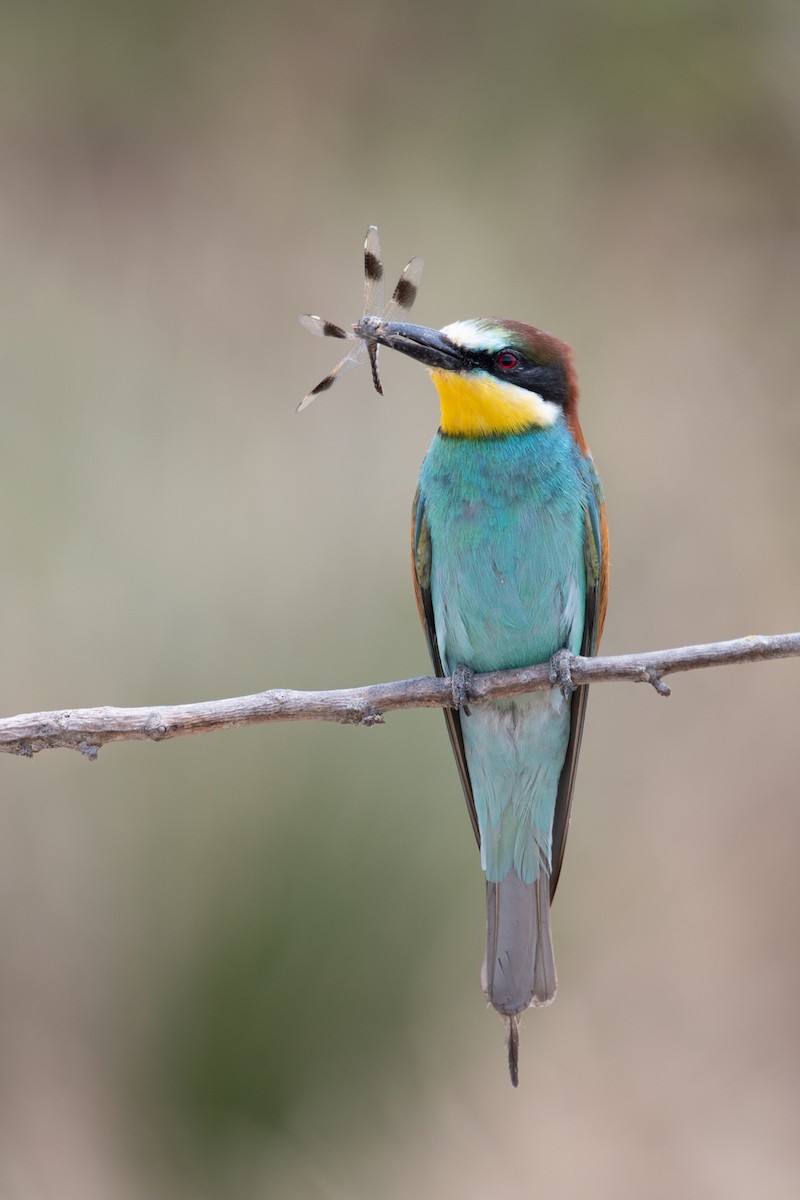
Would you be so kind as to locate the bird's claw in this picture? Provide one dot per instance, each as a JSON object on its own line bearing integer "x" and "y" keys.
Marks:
{"x": 461, "y": 683}
{"x": 561, "y": 672}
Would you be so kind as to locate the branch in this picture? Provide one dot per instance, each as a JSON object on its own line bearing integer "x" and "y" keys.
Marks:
{"x": 87, "y": 729}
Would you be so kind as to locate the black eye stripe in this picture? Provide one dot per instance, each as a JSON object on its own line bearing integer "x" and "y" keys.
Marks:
{"x": 548, "y": 379}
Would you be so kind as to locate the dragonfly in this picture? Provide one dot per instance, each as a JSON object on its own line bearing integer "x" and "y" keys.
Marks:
{"x": 375, "y": 312}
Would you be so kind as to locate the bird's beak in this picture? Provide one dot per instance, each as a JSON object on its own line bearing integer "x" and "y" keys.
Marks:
{"x": 428, "y": 346}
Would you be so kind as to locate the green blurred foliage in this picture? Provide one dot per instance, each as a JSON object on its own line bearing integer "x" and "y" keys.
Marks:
{"x": 247, "y": 964}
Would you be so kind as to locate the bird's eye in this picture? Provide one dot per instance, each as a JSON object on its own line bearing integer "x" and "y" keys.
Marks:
{"x": 506, "y": 360}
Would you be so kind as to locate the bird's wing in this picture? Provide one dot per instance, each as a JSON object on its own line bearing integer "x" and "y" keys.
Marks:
{"x": 596, "y": 563}
{"x": 421, "y": 572}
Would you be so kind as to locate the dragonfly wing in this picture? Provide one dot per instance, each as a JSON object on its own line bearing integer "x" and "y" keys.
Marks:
{"x": 373, "y": 273}
{"x": 405, "y": 293}
{"x": 403, "y": 296}
{"x": 322, "y": 328}
{"x": 356, "y": 356}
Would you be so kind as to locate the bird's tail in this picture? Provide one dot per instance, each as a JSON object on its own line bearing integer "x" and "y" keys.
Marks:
{"x": 519, "y": 969}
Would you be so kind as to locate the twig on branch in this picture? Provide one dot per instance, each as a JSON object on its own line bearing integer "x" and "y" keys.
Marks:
{"x": 87, "y": 729}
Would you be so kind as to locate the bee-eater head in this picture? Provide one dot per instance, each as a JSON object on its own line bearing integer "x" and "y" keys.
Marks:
{"x": 493, "y": 376}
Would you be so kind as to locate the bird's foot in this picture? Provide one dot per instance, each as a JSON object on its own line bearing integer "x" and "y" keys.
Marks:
{"x": 561, "y": 672}
{"x": 460, "y": 683}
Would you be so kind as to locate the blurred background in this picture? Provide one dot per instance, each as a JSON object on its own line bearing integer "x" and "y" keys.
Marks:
{"x": 248, "y": 964}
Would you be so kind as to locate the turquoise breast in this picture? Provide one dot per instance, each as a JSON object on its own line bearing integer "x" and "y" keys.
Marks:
{"x": 506, "y": 519}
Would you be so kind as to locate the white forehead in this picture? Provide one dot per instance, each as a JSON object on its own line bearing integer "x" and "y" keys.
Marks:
{"x": 476, "y": 335}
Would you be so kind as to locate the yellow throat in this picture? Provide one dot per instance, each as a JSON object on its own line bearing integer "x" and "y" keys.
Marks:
{"x": 477, "y": 405}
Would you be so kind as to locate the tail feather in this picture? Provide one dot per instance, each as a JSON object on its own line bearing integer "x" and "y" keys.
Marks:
{"x": 513, "y": 1050}
{"x": 519, "y": 969}
{"x": 544, "y": 965}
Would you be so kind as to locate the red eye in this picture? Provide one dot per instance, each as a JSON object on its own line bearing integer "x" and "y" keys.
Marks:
{"x": 506, "y": 360}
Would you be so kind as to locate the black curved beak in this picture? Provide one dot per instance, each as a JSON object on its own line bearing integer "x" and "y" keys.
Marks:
{"x": 428, "y": 346}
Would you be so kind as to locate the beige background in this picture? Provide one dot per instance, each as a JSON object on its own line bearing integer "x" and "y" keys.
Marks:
{"x": 247, "y": 965}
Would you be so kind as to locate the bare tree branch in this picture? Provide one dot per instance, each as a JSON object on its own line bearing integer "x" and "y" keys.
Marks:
{"x": 87, "y": 729}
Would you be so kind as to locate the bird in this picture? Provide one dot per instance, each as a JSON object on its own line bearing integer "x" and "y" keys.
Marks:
{"x": 510, "y": 561}
{"x": 510, "y": 568}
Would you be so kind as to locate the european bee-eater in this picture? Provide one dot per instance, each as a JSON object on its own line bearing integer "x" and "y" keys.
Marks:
{"x": 510, "y": 560}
